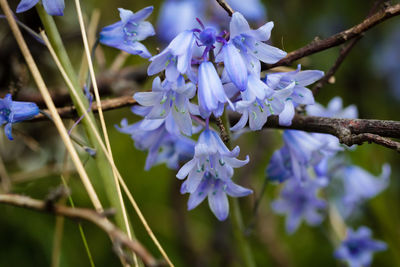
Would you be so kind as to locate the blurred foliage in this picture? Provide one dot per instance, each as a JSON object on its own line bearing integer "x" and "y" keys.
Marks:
{"x": 196, "y": 238}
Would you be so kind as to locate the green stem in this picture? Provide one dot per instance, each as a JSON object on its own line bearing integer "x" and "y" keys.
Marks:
{"x": 237, "y": 218}
{"x": 104, "y": 168}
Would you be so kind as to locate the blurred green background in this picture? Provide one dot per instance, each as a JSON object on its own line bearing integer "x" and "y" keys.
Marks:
{"x": 196, "y": 238}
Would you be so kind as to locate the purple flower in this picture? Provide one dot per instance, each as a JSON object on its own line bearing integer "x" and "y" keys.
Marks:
{"x": 176, "y": 58}
{"x": 211, "y": 93}
{"x": 250, "y": 42}
{"x": 167, "y": 98}
{"x": 299, "y": 201}
{"x": 296, "y": 80}
{"x": 52, "y": 7}
{"x": 127, "y": 33}
{"x": 334, "y": 109}
{"x": 358, "y": 247}
{"x": 15, "y": 111}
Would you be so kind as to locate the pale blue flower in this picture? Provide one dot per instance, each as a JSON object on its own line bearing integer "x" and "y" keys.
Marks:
{"x": 253, "y": 10}
{"x": 299, "y": 201}
{"x": 176, "y": 58}
{"x": 15, "y": 111}
{"x": 334, "y": 109}
{"x": 359, "y": 186}
{"x": 358, "y": 247}
{"x": 297, "y": 81}
{"x": 209, "y": 174}
{"x": 167, "y": 97}
{"x": 250, "y": 42}
{"x": 127, "y": 33}
{"x": 211, "y": 156}
{"x": 211, "y": 94}
{"x": 52, "y": 7}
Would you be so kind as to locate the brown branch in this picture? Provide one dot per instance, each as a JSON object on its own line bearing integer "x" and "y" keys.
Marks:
{"x": 339, "y": 38}
{"x": 226, "y": 6}
{"x": 342, "y": 55}
{"x": 340, "y": 128}
{"x": 344, "y": 51}
{"x": 371, "y": 138}
{"x": 349, "y": 131}
{"x": 118, "y": 237}
{"x": 109, "y": 104}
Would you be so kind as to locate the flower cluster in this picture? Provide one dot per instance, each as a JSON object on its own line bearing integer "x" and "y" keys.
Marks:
{"x": 15, "y": 111}
{"x": 311, "y": 162}
{"x": 224, "y": 70}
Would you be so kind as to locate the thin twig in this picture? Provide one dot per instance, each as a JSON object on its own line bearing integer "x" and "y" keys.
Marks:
{"x": 359, "y": 139}
{"x": 344, "y": 51}
{"x": 81, "y": 214}
{"x": 226, "y": 6}
{"x": 339, "y": 38}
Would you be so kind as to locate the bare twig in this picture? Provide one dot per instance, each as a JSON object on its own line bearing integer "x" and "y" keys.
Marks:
{"x": 339, "y": 38}
{"x": 344, "y": 52}
{"x": 342, "y": 55}
{"x": 359, "y": 139}
{"x": 82, "y": 214}
{"x": 109, "y": 104}
{"x": 226, "y": 6}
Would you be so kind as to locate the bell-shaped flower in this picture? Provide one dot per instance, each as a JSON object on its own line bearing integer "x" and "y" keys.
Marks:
{"x": 127, "y": 33}
{"x": 176, "y": 58}
{"x": 358, "y": 247}
{"x": 250, "y": 42}
{"x": 160, "y": 137}
{"x": 169, "y": 97}
{"x": 211, "y": 93}
{"x": 359, "y": 186}
{"x": 216, "y": 190}
{"x": 15, "y": 111}
{"x": 52, "y": 7}
{"x": 299, "y": 201}
{"x": 253, "y": 106}
{"x": 253, "y": 10}
{"x": 210, "y": 156}
{"x": 334, "y": 109}
{"x": 297, "y": 80}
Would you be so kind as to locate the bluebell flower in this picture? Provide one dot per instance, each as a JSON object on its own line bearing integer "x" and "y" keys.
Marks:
{"x": 250, "y": 42}
{"x": 359, "y": 186}
{"x": 160, "y": 137}
{"x": 15, "y": 111}
{"x": 127, "y": 33}
{"x": 216, "y": 190}
{"x": 358, "y": 247}
{"x": 209, "y": 173}
{"x": 296, "y": 80}
{"x": 211, "y": 156}
{"x": 176, "y": 58}
{"x": 334, "y": 109}
{"x": 211, "y": 93}
{"x": 299, "y": 201}
{"x": 52, "y": 7}
{"x": 167, "y": 97}
{"x": 170, "y": 24}
{"x": 253, "y": 105}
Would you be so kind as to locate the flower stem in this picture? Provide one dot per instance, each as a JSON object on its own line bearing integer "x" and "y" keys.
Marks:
{"x": 237, "y": 218}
